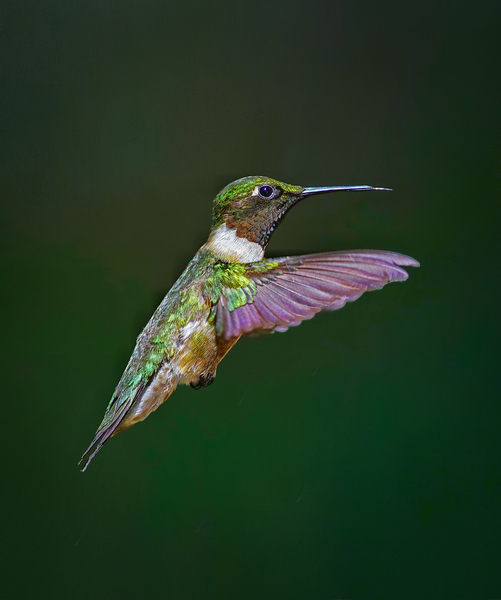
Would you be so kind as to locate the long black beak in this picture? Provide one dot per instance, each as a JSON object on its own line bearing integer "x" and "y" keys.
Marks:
{"x": 342, "y": 188}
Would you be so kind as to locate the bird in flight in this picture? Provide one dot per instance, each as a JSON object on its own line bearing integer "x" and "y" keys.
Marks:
{"x": 230, "y": 289}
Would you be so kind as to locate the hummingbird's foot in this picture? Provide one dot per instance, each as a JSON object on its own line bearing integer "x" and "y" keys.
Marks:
{"x": 203, "y": 381}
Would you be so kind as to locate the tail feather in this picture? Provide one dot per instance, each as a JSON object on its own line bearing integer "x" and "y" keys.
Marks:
{"x": 97, "y": 443}
{"x": 130, "y": 406}
{"x": 102, "y": 435}
{"x": 115, "y": 414}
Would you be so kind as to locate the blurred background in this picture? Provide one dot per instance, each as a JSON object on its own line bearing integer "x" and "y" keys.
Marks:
{"x": 357, "y": 456}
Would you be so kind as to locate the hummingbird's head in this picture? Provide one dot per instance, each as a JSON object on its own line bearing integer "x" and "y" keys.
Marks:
{"x": 247, "y": 211}
{"x": 253, "y": 207}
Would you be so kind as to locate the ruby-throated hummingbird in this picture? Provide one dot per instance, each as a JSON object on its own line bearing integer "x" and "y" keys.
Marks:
{"x": 229, "y": 289}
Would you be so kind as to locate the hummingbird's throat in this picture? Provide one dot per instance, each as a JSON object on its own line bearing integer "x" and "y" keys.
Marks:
{"x": 258, "y": 227}
{"x": 229, "y": 247}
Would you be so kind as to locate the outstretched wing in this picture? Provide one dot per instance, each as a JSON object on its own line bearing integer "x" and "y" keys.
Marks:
{"x": 274, "y": 294}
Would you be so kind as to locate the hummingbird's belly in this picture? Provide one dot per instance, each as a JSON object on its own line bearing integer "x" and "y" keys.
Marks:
{"x": 197, "y": 354}
{"x": 195, "y": 357}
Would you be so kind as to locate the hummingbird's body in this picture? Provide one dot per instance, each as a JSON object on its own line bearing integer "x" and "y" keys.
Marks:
{"x": 229, "y": 289}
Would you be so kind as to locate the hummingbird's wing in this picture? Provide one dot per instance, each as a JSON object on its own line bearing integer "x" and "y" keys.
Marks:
{"x": 274, "y": 294}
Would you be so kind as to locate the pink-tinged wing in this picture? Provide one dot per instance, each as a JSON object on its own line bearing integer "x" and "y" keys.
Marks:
{"x": 295, "y": 288}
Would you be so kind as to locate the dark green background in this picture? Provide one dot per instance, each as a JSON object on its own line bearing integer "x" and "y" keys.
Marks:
{"x": 357, "y": 456}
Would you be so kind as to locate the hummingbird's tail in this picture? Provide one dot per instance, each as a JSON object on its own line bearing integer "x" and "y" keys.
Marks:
{"x": 106, "y": 430}
{"x": 130, "y": 405}
{"x": 122, "y": 401}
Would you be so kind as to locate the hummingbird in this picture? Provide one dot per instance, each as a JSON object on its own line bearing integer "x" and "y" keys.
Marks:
{"x": 229, "y": 289}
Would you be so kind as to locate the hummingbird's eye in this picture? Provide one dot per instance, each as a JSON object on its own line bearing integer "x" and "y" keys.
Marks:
{"x": 266, "y": 191}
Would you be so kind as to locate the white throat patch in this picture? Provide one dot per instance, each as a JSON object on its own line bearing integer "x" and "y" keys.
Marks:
{"x": 228, "y": 247}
